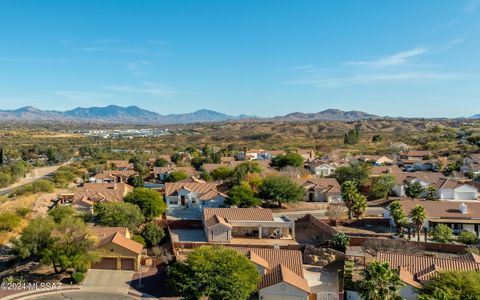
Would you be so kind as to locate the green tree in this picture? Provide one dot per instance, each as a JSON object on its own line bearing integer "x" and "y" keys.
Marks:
{"x": 340, "y": 241}
{"x": 135, "y": 181}
{"x": 352, "y": 137}
{"x": 359, "y": 205}
{"x": 161, "y": 162}
{"x": 418, "y": 215}
{"x": 8, "y": 221}
{"x": 245, "y": 168}
{"x": 452, "y": 286}
{"x": 5, "y": 179}
{"x": 468, "y": 238}
{"x": 414, "y": 189}
{"x": 63, "y": 245}
{"x": 398, "y": 215}
{"x": 281, "y": 189}
{"x": 290, "y": 159}
{"x": 152, "y": 234}
{"x": 242, "y": 196}
{"x": 60, "y": 213}
{"x": 176, "y": 157}
{"x": 149, "y": 201}
{"x": 380, "y": 283}
{"x": 222, "y": 173}
{"x": 377, "y": 138}
{"x": 216, "y": 273}
{"x": 349, "y": 194}
{"x": 442, "y": 233}
{"x": 431, "y": 193}
{"x": 356, "y": 172}
{"x": 176, "y": 175}
{"x": 118, "y": 214}
{"x": 383, "y": 185}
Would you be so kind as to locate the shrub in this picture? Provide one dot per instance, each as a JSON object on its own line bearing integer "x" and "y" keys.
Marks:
{"x": 442, "y": 233}
{"x": 23, "y": 211}
{"x": 152, "y": 234}
{"x": 9, "y": 221}
{"x": 468, "y": 237}
{"x": 340, "y": 241}
{"x": 78, "y": 277}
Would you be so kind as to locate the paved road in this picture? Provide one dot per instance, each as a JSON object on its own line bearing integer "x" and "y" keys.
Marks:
{"x": 35, "y": 174}
{"x": 82, "y": 295}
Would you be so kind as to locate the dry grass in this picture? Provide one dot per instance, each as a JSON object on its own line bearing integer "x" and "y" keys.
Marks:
{"x": 17, "y": 202}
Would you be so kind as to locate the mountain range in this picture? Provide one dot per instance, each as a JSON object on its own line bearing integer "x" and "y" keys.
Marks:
{"x": 135, "y": 115}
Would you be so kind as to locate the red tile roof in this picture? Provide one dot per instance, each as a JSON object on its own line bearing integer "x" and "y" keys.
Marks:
{"x": 236, "y": 214}
{"x": 206, "y": 191}
{"x": 115, "y": 235}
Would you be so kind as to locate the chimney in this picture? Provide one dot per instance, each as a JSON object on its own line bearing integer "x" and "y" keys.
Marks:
{"x": 463, "y": 208}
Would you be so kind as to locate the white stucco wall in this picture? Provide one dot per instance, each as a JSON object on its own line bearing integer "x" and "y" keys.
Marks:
{"x": 282, "y": 291}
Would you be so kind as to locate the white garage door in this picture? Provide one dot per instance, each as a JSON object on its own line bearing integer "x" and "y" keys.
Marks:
{"x": 464, "y": 196}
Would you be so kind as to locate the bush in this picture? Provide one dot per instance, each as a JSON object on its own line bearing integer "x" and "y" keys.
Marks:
{"x": 468, "y": 237}
{"x": 78, "y": 277}
{"x": 23, "y": 211}
{"x": 152, "y": 234}
{"x": 9, "y": 221}
{"x": 442, "y": 233}
{"x": 340, "y": 241}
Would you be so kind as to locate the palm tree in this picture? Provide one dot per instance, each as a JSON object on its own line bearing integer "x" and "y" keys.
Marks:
{"x": 399, "y": 217}
{"x": 418, "y": 216}
{"x": 349, "y": 193}
{"x": 380, "y": 283}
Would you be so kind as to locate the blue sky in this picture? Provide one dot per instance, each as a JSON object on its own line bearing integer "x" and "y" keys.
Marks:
{"x": 266, "y": 58}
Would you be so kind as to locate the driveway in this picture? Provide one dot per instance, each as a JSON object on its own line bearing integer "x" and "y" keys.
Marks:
{"x": 108, "y": 280}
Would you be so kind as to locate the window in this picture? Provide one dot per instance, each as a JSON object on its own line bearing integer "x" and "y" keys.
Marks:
{"x": 173, "y": 201}
{"x": 194, "y": 200}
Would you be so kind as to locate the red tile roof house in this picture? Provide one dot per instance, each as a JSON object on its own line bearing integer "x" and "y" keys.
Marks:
{"x": 447, "y": 188}
{"x": 320, "y": 189}
{"x": 112, "y": 176}
{"x": 116, "y": 249}
{"x": 161, "y": 173}
{"x": 193, "y": 195}
{"x": 86, "y": 196}
{"x": 222, "y": 224}
{"x": 417, "y": 270}
{"x": 463, "y": 216}
{"x": 281, "y": 272}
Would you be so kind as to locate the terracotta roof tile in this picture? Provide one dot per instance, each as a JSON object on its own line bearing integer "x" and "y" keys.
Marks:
{"x": 236, "y": 214}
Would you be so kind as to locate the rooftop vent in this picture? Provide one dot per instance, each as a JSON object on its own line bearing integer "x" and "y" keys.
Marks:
{"x": 463, "y": 208}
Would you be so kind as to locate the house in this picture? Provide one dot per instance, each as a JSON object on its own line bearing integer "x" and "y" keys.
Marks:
{"x": 321, "y": 168}
{"x": 223, "y": 224}
{"x": 452, "y": 189}
{"x": 119, "y": 164}
{"x": 86, "y": 196}
{"x": 193, "y": 195}
{"x": 471, "y": 163}
{"x": 460, "y": 217}
{"x": 116, "y": 249}
{"x": 281, "y": 273}
{"x": 112, "y": 176}
{"x": 259, "y": 154}
{"x": 417, "y": 270}
{"x": 376, "y": 160}
{"x": 419, "y": 165}
{"x": 320, "y": 189}
{"x": 415, "y": 155}
{"x": 402, "y": 179}
{"x": 447, "y": 188}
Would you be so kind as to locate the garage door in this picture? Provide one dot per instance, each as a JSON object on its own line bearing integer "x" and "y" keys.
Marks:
{"x": 464, "y": 196}
{"x": 128, "y": 264}
{"x": 106, "y": 263}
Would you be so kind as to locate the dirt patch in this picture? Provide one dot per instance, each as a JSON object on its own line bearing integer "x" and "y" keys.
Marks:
{"x": 301, "y": 206}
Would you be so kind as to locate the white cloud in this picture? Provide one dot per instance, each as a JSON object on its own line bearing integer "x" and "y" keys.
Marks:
{"x": 397, "y": 59}
{"x": 148, "y": 88}
{"x": 137, "y": 67}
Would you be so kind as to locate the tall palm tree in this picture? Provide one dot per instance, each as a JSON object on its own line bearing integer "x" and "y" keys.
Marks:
{"x": 349, "y": 193}
{"x": 380, "y": 283}
{"x": 418, "y": 215}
